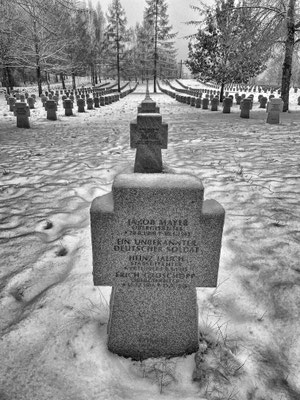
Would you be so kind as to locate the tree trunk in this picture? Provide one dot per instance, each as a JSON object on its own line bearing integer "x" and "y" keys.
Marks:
{"x": 118, "y": 55}
{"x": 73, "y": 81}
{"x": 222, "y": 92}
{"x": 37, "y": 59}
{"x": 8, "y": 79}
{"x": 288, "y": 55}
{"x": 24, "y": 75}
{"x": 39, "y": 79}
{"x": 62, "y": 78}
{"x": 48, "y": 81}
{"x": 92, "y": 75}
{"x": 5, "y": 80}
{"x": 155, "y": 46}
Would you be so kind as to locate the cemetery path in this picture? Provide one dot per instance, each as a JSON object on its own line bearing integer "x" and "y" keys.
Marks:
{"x": 53, "y": 321}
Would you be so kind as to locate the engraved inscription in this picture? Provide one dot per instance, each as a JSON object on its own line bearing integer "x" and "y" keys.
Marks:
{"x": 148, "y": 135}
{"x": 275, "y": 107}
{"x": 166, "y": 259}
{"x": 163, "y": 227}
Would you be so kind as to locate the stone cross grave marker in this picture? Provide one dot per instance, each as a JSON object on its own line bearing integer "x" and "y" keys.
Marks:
{"x": 227, "y": 103}
{"x": 30, "y": 102}
{"x": 245, "y": 106}
{"x": 11, "y": 102}
{"x": 68, "y": 106}
{"x": 205, "y": 103}
{"x": 274, "y": 108}
{"x": 214, "y": 104}
{"x": 148, "y": 135}
{"x": 51, "y": 108}
{"x": 154, "y": 241}
{"x": 22, "y": 112}
{"x": 263, "y": 102}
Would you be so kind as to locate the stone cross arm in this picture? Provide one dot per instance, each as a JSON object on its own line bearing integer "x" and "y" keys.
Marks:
{"x": 148, "y": 129}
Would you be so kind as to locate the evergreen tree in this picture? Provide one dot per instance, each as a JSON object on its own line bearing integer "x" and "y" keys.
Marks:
{"x": 226, "y": 49}
{"x": 278, "y": 22}
{"x": 144, "y": 50}
{"x": 156, "y": 22}
{"x": 116, "y": 37}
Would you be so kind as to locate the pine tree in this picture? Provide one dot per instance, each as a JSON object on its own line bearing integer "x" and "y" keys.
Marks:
{"x": 156, "y": 22}
{"x": 116, "y": 36}
{"x": 226, "y": 49}
{"x": 144, "y": 50}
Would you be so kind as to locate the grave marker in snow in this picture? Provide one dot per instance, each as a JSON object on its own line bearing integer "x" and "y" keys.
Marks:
{"x": 205, "y": 103}
{"x": 22, "y": 112}
{"x": 97, "y": 102}
{"x": 198, "y": 102}
{"x": 214, "y": 104}
{"x": 68, "y": 106}
{"x": 245, "y": 106}
{"x": 44, "y": 98}
{"x": 263, "y": 101}
{"x": 51, "y": 108}
{"x": 227, "y": 103}
{"x": 30, "y": 102}
{"x": 154, "y": 241}
{"x": 11, "y": 102}
{"x": 80, "y": 105}
{"x": 90, "y": 103}
{"x": 148, "y": 135}
{"x": 274, "y": 108}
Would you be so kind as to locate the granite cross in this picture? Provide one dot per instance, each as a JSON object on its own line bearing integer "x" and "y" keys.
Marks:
{"x": 154, "y": 241}
{"x": 148, "y": 134}
{"x": 274, "y": 108}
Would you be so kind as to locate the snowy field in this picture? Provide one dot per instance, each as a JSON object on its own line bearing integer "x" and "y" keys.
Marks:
{"x": 53, "y": 320}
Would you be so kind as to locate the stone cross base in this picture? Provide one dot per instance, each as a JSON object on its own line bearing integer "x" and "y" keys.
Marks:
{"x": 152, "y": 322}
{"x": 23, "y": 121}
{"x": 148, "y": 159}
{"x": 273, "y": 117}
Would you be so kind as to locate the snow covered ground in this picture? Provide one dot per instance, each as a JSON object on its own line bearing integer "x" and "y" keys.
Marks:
{"x": 53, "y": 320}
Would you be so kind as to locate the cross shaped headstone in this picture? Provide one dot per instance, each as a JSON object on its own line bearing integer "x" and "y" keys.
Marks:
{"x": 148, "y": 135}
{"x": 154, "y": 241}
{"x": 274, "y": 108}
{"x": 22, "y": 112}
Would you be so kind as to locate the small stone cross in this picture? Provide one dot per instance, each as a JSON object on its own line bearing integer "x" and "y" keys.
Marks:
{"x": 148, "y": 134}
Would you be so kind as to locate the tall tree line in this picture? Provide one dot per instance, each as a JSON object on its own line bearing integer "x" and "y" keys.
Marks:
{"x": 58, "y": 38}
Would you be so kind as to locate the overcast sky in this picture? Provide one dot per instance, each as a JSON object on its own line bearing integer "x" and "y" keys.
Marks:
{"x": 179, "y": 11}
